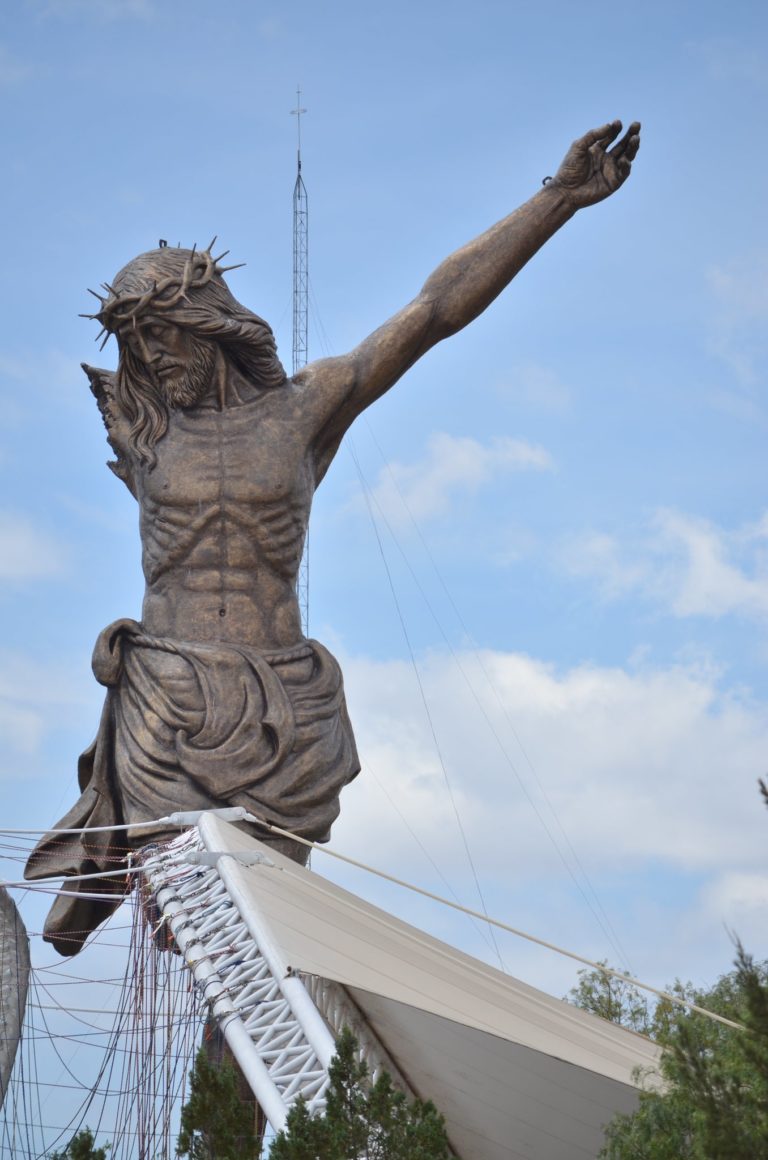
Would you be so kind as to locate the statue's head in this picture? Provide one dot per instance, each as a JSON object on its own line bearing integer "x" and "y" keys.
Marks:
{"x": 170, "y": 309}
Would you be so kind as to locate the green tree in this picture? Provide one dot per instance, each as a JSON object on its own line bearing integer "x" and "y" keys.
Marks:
{"x": 214, "y": 1120}
{"x": 362, "y": 1122}
{"x": 621, "y": 1002}
{"x": 714, "y": 1102}
{"x": 612, "y": 999}
{"x": 81, "y": 1147}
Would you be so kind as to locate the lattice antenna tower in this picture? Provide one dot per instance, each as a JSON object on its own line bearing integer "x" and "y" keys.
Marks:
{"x": 301, "y": 320}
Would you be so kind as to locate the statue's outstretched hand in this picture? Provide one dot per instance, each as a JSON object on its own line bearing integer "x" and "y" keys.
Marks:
{"x": 590, "y": 170}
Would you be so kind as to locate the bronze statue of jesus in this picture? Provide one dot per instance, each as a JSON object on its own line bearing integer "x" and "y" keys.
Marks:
{"x": 216, "y": 698}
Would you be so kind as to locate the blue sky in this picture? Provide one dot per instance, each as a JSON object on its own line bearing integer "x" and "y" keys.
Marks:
{"x": 580, "y": 474}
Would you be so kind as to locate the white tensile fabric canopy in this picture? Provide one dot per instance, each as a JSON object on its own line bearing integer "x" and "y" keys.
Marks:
{"x": 517, "y": 1074}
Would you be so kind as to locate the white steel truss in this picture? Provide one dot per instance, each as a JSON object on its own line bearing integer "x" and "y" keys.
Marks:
{"x": 267, "y": 1036}
{"x": 339, "y": 1010}
{"x": 280, "y": 1026}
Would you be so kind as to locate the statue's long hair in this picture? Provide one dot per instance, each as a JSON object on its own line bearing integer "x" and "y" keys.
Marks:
{"x": 209, "y": 312}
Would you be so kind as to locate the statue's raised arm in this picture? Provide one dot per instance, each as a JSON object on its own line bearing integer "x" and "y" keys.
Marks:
{"x": 469, "y": 280}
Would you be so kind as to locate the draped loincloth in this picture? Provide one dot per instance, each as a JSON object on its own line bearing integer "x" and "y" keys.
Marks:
{"x": 195, "y": 726}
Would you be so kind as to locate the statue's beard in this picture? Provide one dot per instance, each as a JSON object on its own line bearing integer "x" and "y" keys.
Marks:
{"x": 192, "y": 384}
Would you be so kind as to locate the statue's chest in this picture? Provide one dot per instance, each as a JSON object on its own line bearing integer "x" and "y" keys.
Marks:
{"x": 213, "y": 457}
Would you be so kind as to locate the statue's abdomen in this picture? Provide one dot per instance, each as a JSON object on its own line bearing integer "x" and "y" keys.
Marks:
{"x": 223, "y": 519}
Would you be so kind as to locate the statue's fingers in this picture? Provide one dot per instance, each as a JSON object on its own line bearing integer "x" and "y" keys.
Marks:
{"x": 632, "y": 147}
{"x": 629, "y": 143}
{"x": 602, "y": 136}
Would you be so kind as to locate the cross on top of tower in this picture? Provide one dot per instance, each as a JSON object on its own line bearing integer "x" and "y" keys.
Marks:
{"x": 297, "y": 112}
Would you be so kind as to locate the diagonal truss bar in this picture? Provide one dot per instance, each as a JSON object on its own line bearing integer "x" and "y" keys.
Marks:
{"x": 281, "y": 1026}
{"x": 276, "y": 1034}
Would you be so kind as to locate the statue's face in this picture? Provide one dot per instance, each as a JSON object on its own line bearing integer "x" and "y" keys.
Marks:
{"x": 181, "y": 363}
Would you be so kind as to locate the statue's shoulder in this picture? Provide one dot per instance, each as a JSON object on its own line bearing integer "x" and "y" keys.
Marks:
{"x": 102, "y": 383}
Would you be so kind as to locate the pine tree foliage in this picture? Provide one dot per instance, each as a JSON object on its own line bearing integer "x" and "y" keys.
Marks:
{"x": 213, "y": 1119}
{"x": 82, "y": 1147}
{"x": 714, "y": 1105}
{"x": 362, "y": 1122}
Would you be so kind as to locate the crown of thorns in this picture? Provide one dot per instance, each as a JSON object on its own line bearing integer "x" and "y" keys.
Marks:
{"x": 118, "y": 309}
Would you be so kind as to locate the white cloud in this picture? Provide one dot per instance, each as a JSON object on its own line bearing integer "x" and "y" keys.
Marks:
{"x": 708, "y": 582}
{"x": 601, "y": 557}
{"x": 683, "y": 562}
{"x": 652, "y": 774}
{"x": 738, "y": 893}
{"x": 26, "y": 553}
{"x": 452, "y": 464}
{"x": 625, "y": 756}
{"x": 736, "y": 902}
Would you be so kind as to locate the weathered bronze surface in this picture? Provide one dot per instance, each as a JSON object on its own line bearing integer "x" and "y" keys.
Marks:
{"x": 216, "y": 698}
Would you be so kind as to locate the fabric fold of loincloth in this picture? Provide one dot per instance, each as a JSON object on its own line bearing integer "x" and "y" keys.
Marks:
{"x": 195, "y": 726}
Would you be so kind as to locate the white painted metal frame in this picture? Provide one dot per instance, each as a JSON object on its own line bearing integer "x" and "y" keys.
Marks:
{"x": 280, "y": 1041}
{"x": 280, "y": 1025}
{"x": 340, "y": 1010}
